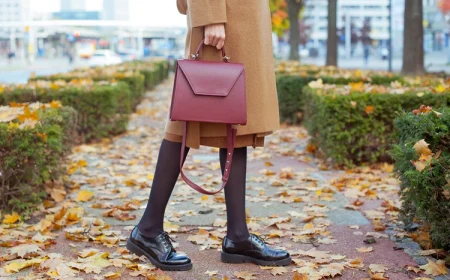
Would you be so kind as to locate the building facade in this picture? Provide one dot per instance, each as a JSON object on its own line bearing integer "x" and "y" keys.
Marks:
{"x": 116, "y": 10}
{"x": 356, "y": 11}
{"x": 73, "y": 5}
{"x": 13, "y": 10}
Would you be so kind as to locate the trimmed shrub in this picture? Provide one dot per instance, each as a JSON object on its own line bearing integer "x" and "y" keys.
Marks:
{"x": 33, "y": 140}
{"x": 422, "y": 162}
{"x": 353, "y": 126}
{"x": 103, "y": 108}
{"x": 292, "y": 98}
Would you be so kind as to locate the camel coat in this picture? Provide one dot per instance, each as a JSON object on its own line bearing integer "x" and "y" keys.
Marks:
{"x": 248, "y": 40}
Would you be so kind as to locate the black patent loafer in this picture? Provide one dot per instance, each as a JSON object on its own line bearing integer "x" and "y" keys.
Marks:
{"x": 253, "y": 250}
{"x": 158, "y": 250}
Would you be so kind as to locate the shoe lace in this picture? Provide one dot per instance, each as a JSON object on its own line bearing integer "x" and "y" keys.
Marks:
{"x": 260, "y": 238}
{"x": 166, "y": 240}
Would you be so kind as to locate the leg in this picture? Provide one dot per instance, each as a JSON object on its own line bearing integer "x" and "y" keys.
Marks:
{"x": 166, "y": 175}
{"x": 235, "y": 194}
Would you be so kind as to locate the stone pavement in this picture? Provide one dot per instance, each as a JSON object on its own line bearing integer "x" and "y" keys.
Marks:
{"x": 291, "y": 200}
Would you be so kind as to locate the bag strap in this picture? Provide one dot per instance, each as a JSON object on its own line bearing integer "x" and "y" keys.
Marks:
{"x": 231, "y": 139}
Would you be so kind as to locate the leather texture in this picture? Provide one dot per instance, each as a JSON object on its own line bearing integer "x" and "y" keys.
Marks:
{"x": 206, "y": 91}
{"x": 214, "y": 92}
{"x": 160, "y": 248}
{"x": 253, "y": 247}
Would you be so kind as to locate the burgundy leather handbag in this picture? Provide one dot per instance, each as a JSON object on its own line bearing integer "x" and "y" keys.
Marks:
{"x": 212, "y": 92}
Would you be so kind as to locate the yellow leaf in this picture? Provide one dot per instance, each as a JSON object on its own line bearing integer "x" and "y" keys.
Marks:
{"x": 84, "y": 195}
{"x": 55, "y": 104}
{"x": 43, "y": 136}
{"x": 13, "y": 126}
{"x": 150, "y": 176}
{"x": 18, "y": 265}
{"x": 204, "y": 198}
{"x": 421, "y": 148}
{"x": 440, "y": 88}
{"x": 357, "y": 86}
{"x": 420, "y": 165}
{"x": 11, "y": 219}
{"x": 434, "y": 268}
{"x": 112, "y": 275}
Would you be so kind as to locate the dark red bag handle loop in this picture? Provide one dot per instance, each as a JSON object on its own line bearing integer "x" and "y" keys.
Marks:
{"x": 231, "y": 139}
{"x": 202, "y": 43}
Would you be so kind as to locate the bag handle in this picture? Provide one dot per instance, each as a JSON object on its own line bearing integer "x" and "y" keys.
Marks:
{"x": 195, "y": 56}
{"x": 231, "y": 139}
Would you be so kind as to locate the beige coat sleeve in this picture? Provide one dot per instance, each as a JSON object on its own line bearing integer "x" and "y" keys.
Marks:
{"x": 205, "y": 12}
{"x": 182, "y": 6}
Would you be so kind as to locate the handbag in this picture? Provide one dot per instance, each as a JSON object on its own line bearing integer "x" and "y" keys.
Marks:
{"x": 211, "y": 92}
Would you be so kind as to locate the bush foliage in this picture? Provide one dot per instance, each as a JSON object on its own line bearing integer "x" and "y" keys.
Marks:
{"x": 103, "y": 108}
{"x": 33, "y": 140}
{"x": 354, "y": 124}
{"x": 293, "y": 77}
{"x": 422, "y": 161}
{"x": 82, "y": 106}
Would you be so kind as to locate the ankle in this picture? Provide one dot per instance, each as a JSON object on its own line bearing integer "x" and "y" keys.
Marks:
{"x": 237, "y": 237}
{"x": 149, "y": 232}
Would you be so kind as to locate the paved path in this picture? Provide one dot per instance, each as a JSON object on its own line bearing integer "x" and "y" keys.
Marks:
{"x": 290, "y": 199}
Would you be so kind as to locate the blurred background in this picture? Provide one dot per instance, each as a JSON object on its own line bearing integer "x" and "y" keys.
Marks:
{"x": 50, "y": 36}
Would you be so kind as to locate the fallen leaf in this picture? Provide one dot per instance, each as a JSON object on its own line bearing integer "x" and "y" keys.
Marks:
{"x": 22, "y": 250}
{"x": 11, "y": 218}
{"x": 84, "y": 195}
{"x": 245, "y": 275}
{"x": 298, "y": 276}
{"x": 434, "y": 268}
{"x": 370, "y": 109}
{"x": 278, "y": 270}
{"x": 377, "y": 268}
{"x": 211, "y": 273}
{"x": 364, "y": 249}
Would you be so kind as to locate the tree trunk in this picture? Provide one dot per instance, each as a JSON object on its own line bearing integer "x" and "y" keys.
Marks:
{"x": 294, "y": 7}
{"x": 413, "y": 54}
{"x": 332, "y": 46}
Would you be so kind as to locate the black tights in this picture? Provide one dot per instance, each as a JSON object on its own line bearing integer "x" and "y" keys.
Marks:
{"x": 166, "y": 175}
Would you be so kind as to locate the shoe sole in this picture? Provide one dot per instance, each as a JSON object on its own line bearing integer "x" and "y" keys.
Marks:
{"x": 235, "y": 258}
{"x": 139, "y": 251}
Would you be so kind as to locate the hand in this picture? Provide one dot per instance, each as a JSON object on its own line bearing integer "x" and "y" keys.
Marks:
{"x": 215, "y": 35}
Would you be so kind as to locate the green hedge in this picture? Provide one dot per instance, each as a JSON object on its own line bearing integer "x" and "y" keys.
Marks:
{"x": 135, "y": 81}
{"x": 29, "y": 156}
{"x": 292, "y": 97}
{"x": 425, "y": 190}
{"x": 344, "y": 131}
{"x": 103, "y": 109}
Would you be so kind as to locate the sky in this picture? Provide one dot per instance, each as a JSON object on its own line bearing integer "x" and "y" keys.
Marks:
{"x": 154, "y": 13}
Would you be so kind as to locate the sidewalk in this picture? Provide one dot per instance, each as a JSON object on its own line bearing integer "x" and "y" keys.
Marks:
{"x": 291, "y": 199}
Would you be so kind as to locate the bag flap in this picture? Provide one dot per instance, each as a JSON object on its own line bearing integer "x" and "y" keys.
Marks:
{"x": 210, "y": 78}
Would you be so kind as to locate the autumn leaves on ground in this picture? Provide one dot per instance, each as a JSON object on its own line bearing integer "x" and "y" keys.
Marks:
{"x": 336, "y": 224}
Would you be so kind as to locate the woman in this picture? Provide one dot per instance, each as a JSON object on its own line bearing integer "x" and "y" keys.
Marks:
{"x": 244, "y": 27}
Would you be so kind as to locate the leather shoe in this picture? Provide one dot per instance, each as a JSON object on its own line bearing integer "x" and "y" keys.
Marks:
{"x": 158, "y": 250}
{"x": 254, "y": 250}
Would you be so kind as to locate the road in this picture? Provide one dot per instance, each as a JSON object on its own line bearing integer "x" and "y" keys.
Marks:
{"x": 19, "y": 72}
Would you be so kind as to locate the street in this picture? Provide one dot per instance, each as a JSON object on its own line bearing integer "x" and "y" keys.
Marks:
{"x": 19, "y": 72}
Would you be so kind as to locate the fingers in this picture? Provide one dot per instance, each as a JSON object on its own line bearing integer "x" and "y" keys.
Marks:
{"x": 220, "y": 44}
{"x": 215, "y": 35}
